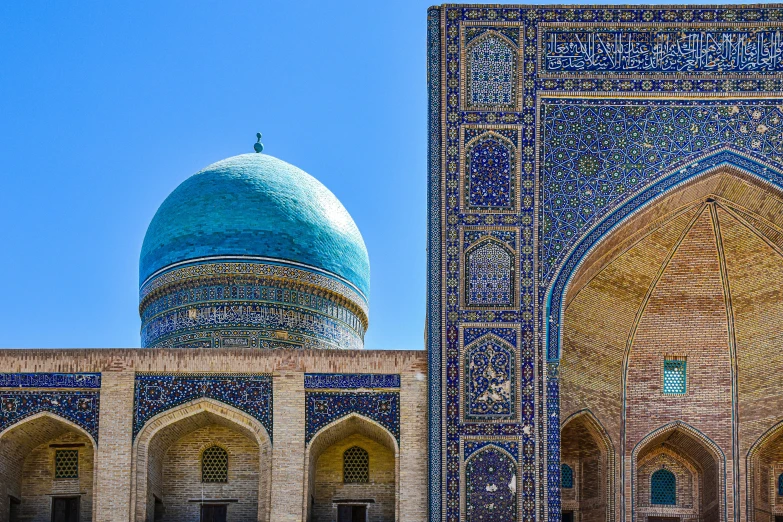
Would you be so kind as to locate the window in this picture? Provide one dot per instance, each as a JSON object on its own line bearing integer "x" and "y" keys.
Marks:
{"x": 663, "y": 488}
{"x": 566, "y": 476}
{"x": 214, "y": 465}
{"x": 674, "y": 376}
{"x": 66, "y": 464}
{"x": 356, "y": 466}
{"x": 780, "y": 485}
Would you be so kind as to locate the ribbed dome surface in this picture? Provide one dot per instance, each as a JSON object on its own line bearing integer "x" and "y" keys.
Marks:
{"x": 256, "y": 205}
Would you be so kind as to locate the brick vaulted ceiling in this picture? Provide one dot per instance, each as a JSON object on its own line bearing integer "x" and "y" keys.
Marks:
{"x": 710, "y": 251}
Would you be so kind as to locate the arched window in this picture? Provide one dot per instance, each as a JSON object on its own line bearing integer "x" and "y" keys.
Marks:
{"x": 491, "y": 72}
{"x": 780, "y": 485}
{"x": 356, "y": 466}
{"x": 214, "y": 465}
{"x": 566, "y": 476}
{"x": 663, "y": 488}
{"x": 490, "y": 275}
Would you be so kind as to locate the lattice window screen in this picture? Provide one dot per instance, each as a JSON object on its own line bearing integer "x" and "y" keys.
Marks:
{"x": 214, "y": 465}
{"x": 356, "y": 466}
{"x": 66, "y": 464}
{"x": 566, "y": 476}
{"x": 780, "y": 484}
{"x": 674, "y": 376}
{"x": 663, "y": 488}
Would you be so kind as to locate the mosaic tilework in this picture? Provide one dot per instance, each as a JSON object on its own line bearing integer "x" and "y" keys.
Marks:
{"x": 472, "y": 446}
{"x": 79, "y": 407}
{"x": 490, "y": 275}
{"x": 491, "y": 72}
{"x": 573, "y": 186}
{"x": 596, "y": 154}
{"x": 350, "y": 380}
{"x": 156, "y": 393}
{"x": 323, "y": 408}
{"x": 490, "y": 380}
{"x": 50, "y": 380}
{"x": 491, "y": 180}
{"x": 278, "y": 306}
{"x": 491, "y": 493}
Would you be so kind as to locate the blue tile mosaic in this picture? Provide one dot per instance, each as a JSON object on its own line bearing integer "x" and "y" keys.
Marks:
{"x": 490, "y": 380}
{"x": 598, "y": 134}
{"x": 491, "y": 179}
{"x": 490, "y": 268}
{"x": 156, "y": 393}
{"x": 472, "y": 446}
{"x": 50, "y": 380}
{"x": 491, "y": 486}
{"x": 323, "y": 408}
{"x": 350, "y": 380}
{"x": 80, "y": 407}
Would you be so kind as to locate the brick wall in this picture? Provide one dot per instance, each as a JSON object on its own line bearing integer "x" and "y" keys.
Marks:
{"x": 328, "y": 481}
{"x": 124, "y": 468}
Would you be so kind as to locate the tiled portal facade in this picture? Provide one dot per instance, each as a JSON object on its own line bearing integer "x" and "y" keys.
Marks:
{"x": 605, "y": 301}
{"x": 616, "y": 170}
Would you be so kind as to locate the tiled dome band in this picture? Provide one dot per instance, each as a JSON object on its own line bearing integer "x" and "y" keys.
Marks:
{"x": 252, "y": 305}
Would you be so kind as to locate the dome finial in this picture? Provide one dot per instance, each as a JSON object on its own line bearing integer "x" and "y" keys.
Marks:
{"x": 259, "y": 147}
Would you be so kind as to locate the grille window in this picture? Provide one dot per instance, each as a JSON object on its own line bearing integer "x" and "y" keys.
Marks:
{"x": 567, "y": 476}
{"x": 780, "y": 484}
{"x": 66, "y": 464}
{"x": 663, "y": 488}
{"x": 674, "y": 376}
{"x": 356, "y": 466}
{"x": 214, "y": 465}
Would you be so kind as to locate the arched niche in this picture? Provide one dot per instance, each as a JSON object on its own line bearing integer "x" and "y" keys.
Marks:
{"x": 171, "y": 445}
{"x": 32, "y": 477}
{"x": 325, "y": 489}
{"x": 587, "y": 449}
{"x": 698, "y": 465}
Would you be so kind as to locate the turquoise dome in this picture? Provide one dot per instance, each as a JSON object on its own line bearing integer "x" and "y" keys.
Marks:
{"x": 256, "y": 205}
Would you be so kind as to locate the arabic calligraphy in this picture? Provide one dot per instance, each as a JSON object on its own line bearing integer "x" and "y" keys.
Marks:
{"x": 50, "y": 380}
{"x": 663, "y": 51}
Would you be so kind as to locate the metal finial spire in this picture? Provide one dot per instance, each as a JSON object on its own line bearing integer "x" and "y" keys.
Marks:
{"x": 258, "y": 146}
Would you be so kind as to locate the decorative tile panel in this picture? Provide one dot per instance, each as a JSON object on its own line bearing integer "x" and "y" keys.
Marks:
{"x": 156, "y": 393}
{"x": 79, "y": 407}
{"x": 50, "y": 380}
{"x": 491, "y": 71}
{"x": 350, "y": 380}
{"x": 491, "y": 486}
{"x": 490, "y": 380}
{"x": 491, "y": 178}
{"x": 323, "y": 408}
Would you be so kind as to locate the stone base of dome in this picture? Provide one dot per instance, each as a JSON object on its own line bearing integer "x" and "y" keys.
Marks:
{"x": 250, "y": 305}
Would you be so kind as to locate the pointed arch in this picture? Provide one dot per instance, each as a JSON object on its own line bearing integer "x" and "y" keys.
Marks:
{"x": 488, "y": 380}
{"x": 596, "y": 429}
{"x": 491, "y": 72}
{"x": 490, "y": 275}
{"x": 20, "y": 439}
{"x": 710, "y": 181}
{"x": 754, "y": 477}
{"x": 490, "y": 174}
{"x": 690, "y": 443}
{"x": 340, "y": 429}
{"x": 493, "y": 482}
{"x": 170, "y": 425}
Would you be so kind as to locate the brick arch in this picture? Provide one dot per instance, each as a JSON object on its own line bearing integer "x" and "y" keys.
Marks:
{"x": 18, "y": 440}
{"x": 690, "y": 444}
{"x": 755, "y": 466}
{"x": 175, "y": 423}
{"x": 608, "y": 455}
{"x": 340, "y": 429}
{"x": 726, "y": 183}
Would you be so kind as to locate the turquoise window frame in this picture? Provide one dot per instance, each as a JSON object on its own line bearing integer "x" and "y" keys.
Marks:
{"x": 675, "y": 376}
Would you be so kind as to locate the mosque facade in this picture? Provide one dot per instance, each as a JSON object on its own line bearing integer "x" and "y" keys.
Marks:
{"x": 604, "y": 306}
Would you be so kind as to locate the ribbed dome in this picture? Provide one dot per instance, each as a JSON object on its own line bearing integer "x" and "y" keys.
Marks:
{"x": 256, "y": 205}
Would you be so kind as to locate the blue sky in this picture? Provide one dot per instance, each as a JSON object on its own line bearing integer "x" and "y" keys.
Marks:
{"x": 105, "y": 107}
